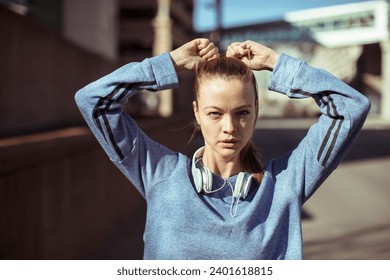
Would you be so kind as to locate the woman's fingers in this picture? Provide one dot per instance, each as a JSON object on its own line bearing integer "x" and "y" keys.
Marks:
{"x": 236, "y": 50}
{"x": 207, "y": 50}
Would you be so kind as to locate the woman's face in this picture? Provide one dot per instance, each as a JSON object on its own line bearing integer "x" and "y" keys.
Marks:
{"x": 226, "y": 113}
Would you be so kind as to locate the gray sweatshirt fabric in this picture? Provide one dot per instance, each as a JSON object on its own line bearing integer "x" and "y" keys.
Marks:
{"x": 184, "y": 224}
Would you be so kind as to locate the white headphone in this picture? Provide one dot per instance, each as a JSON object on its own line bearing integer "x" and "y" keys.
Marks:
{"x": 203, "y": 178}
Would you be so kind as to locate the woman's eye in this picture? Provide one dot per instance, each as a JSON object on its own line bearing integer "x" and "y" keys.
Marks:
{"x": 243, "y": 113}
{"x": 214, "y": 114}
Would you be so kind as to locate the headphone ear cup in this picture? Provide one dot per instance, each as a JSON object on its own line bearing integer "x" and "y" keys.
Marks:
{"x": 197, "y": 175}
{"x": 242, "y": 186}
{"x": 207, "y": 179}
{"x": 238, "y": 187}
{"x": 196, "y": 172}
{"x": 247, "y": 185}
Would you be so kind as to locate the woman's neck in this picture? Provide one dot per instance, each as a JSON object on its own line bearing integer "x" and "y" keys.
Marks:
{"x": 221, "y": 166}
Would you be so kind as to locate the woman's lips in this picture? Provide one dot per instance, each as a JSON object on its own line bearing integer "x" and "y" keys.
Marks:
{"x": 229, "y": 142}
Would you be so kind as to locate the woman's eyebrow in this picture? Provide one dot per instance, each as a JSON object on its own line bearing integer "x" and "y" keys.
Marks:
{"x": 243, "y": 107}
{"x": 234, "y": 109}
{"x": 212, "y": 107}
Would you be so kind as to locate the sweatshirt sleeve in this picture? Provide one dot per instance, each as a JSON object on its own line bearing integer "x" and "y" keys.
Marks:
{"x": 343, "y": 112}
{"x": 142, "y": 160}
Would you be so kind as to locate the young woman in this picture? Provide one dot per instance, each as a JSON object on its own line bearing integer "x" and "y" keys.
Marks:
{"x": 222, "y": 203}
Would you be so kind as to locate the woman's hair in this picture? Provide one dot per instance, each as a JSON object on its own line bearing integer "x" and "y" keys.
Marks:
{"x": 231, "y": 68}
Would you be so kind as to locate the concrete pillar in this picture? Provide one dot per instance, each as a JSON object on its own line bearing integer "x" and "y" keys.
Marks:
{"x": 385, "y": 97}
{"x": 163, "y": 43}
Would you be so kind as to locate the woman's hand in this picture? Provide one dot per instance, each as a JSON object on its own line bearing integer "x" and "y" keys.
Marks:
{"x": 255, "y": 55}
{"x": 192, "y": 53}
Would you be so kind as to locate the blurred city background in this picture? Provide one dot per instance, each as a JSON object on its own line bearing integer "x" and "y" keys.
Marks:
{"x": 61, "y": 197}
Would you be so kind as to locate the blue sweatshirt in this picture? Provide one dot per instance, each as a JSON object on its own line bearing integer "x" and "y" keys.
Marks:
{"x": 184, "y": 224}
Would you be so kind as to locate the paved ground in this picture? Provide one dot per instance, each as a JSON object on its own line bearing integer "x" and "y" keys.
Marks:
{"x": 347, "y": 218}
{"x": 350, "y": 213}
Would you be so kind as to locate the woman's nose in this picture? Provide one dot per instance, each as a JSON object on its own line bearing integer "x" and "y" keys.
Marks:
{"x": 229, "y": 125}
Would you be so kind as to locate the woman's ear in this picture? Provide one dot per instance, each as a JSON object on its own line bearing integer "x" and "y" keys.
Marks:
{"x": 196, "y": 111}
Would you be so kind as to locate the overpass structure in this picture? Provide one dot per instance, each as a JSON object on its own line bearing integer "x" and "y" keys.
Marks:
{"x": 333, "y": 38}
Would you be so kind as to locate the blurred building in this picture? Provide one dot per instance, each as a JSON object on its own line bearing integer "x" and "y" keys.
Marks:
{"x": 60, "y": 196}
{"x": 351, "y": 41}
{"x": 119, "y": 31}
{"x": 127, "y": 30}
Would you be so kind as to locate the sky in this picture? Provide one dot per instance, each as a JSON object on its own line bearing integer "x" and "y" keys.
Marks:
{"x": 242, "y": 12}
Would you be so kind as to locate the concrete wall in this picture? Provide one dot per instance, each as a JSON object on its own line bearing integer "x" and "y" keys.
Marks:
{"x": 60, "y": 196}
{"x": 93, "y": 25}
{"x": 39, "y": 74}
